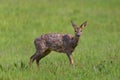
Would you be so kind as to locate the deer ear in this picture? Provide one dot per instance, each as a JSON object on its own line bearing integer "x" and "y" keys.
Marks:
{"x": 74, "y": 25}
{"x": 83, "y": 24}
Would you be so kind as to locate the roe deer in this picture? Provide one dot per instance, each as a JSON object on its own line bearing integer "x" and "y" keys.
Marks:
{"x": 63, "y": 43}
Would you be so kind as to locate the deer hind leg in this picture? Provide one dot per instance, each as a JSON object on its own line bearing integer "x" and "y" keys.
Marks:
{"x": 41, "y": 55}
{"x": 33, "y": 57}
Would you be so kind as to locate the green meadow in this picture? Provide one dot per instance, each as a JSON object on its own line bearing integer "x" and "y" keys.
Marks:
{"x": 97, "y": 57}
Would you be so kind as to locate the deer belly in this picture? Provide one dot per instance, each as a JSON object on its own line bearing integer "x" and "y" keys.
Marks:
{"x": 57, "y": 48}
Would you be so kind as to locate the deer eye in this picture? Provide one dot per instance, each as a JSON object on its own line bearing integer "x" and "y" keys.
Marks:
{"x": 75, "y": 30}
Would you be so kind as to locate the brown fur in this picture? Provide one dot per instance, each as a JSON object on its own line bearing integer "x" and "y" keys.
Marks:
{"x": 63, "y": 43}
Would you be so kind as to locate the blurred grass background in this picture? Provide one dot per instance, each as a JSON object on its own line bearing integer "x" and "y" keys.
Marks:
{"x": 97, "y": 56}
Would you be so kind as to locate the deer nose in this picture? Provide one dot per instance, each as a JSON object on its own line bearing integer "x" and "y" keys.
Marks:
{"x": 78, "y": 35}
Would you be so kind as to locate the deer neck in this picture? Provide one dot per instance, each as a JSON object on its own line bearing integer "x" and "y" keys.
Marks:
{"x": 75, "y": 41}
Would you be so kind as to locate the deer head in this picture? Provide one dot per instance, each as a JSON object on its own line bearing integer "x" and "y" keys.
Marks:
{"x": 78, "y": 29}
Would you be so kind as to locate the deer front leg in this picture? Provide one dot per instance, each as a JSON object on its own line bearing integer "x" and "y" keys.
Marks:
{"x": 70, "y": 58}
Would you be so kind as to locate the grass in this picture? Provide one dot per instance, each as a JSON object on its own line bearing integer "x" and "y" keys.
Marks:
{"x": 97, "y": 57}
